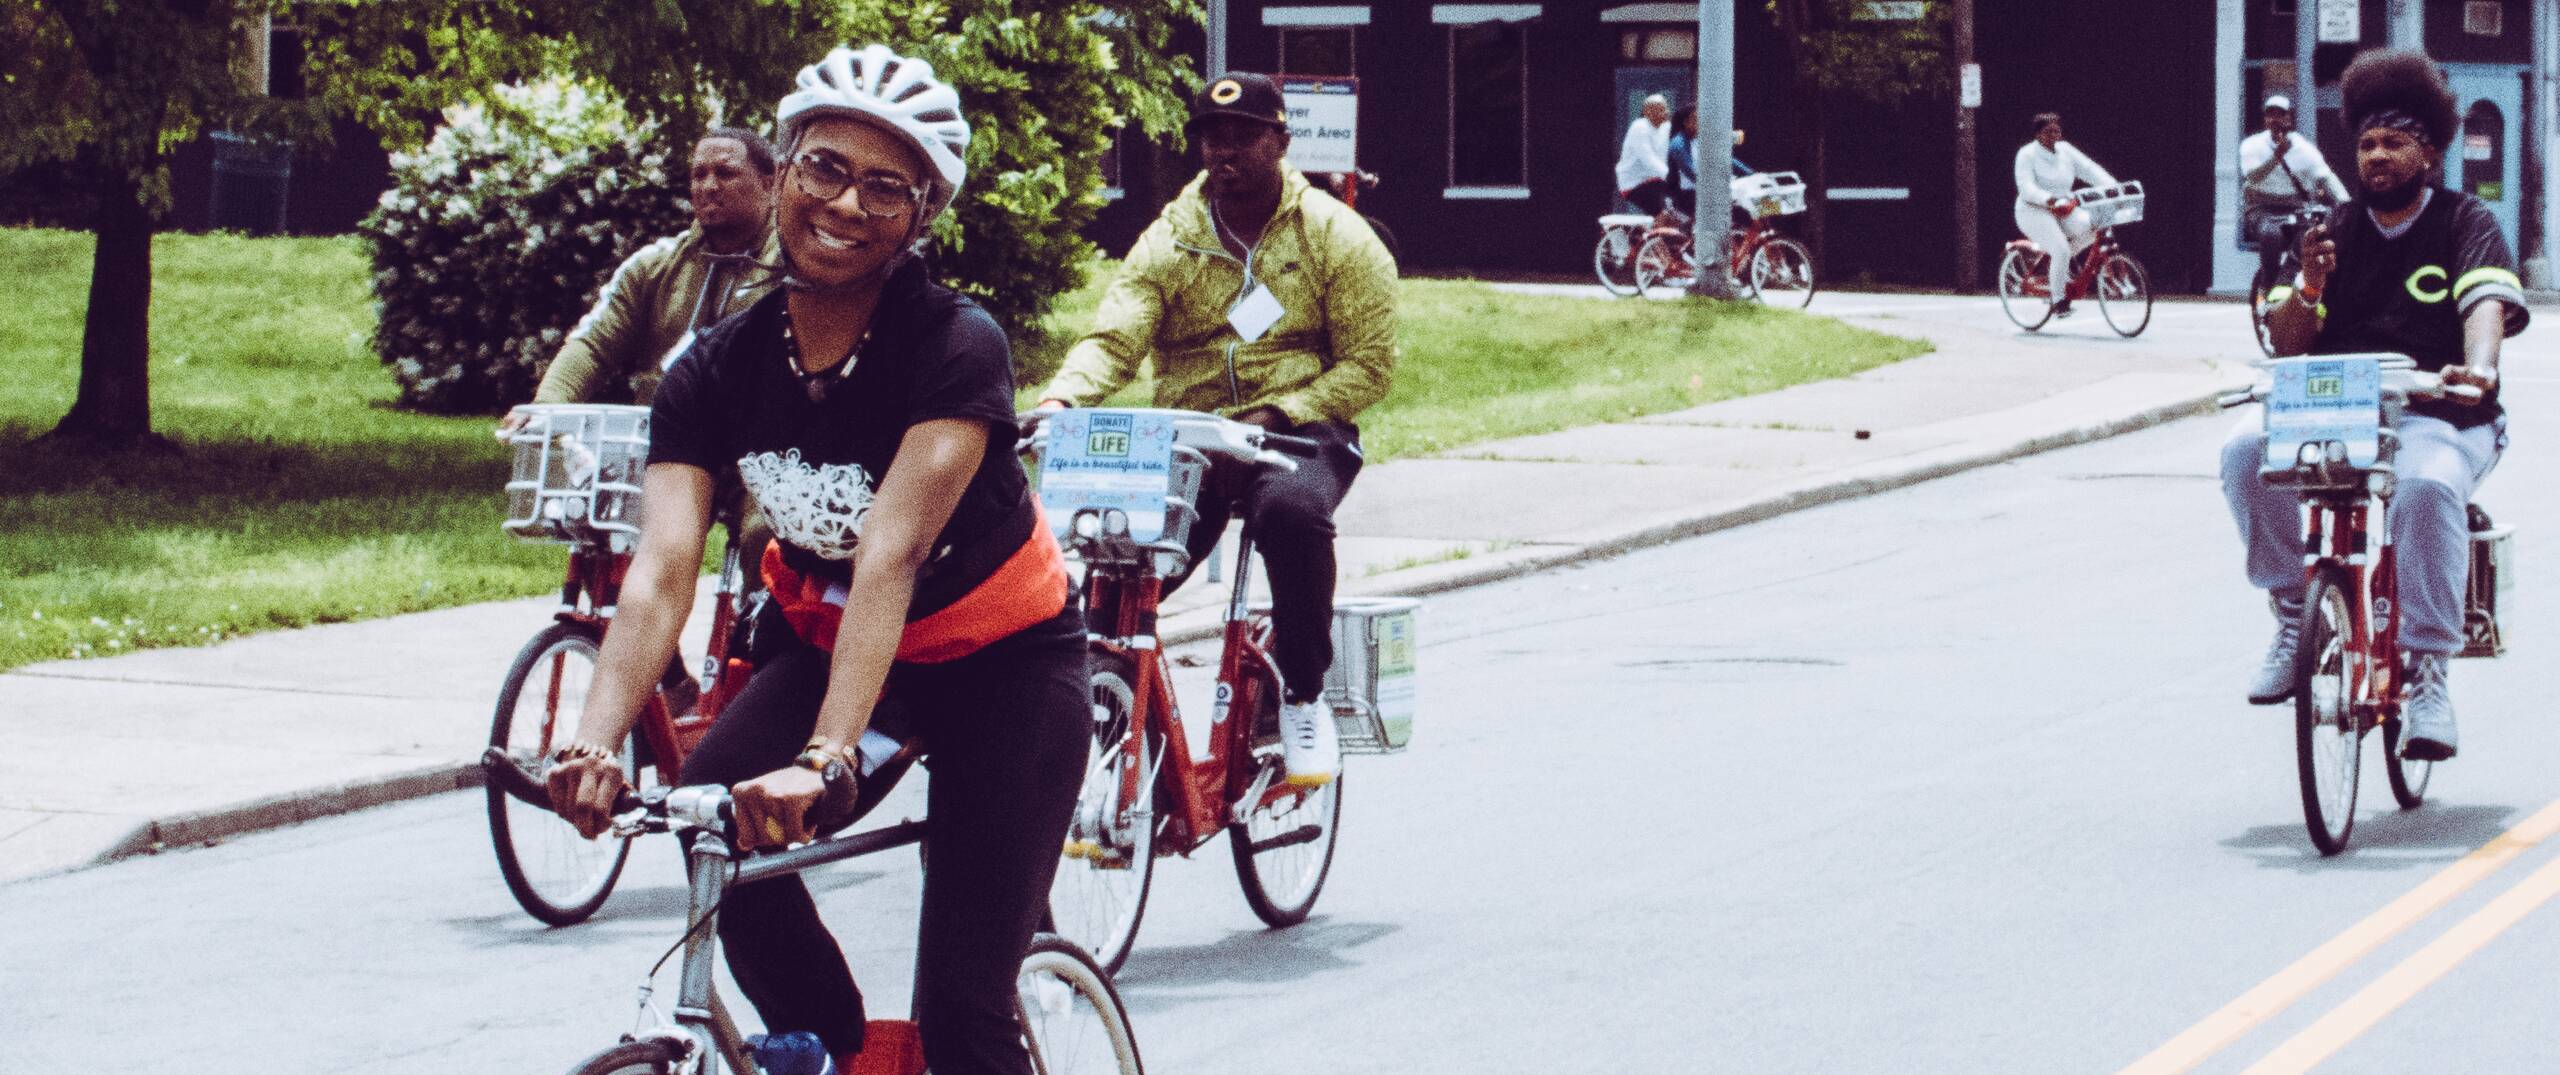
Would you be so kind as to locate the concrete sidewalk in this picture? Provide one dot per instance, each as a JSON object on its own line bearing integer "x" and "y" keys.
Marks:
{"x": 112, "y": 757}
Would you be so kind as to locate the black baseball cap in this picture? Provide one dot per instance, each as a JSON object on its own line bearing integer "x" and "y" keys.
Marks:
{"x": 1241, "y": 94}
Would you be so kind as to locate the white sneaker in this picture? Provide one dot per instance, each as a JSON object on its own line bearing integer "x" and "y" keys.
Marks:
{"x": 1309, "y": 744}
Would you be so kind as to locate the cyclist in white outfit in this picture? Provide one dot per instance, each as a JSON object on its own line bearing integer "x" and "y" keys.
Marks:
{"x": 1644, "y": 165}
{"x": 2046, "y": 212}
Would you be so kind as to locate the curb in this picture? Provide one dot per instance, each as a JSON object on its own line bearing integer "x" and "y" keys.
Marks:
{"x": 295, "y": 807}
{"x": 275, "y": 812}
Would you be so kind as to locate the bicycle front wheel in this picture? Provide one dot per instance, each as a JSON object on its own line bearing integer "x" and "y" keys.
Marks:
{"x": 2025, "y": 306}
{"x": 1662, "y": 264}
{"x": 2259, "y": 286}
{"x": 1284, "y": 846}
{"x": 1614, "y": 260}
{"x": 1100, "y": 891}
{"x": 631, "y": 1058}
{"x": 1072, "y": 1020}
{"x": 1781, "y": 273}
{"x": 2124, "y": 294}
{"x": 555, "y": 874}
{"x": 2408, "y": 777}
{"x": 2328, "y": 733}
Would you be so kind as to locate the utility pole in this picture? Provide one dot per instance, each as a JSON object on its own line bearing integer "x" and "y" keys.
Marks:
{"x": 1715, "y": 150}
{"x": 1217, "y": 28}
{"x": 1968, "y": 156}
{"x": 2306, "y": 89}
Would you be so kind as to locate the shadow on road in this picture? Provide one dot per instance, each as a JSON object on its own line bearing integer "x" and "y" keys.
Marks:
{"x": 2448, "y": 832}
{"x": 1165, "y": 977}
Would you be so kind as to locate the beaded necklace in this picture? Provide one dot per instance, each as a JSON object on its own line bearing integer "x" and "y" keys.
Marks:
{"x": 815, "y": 385}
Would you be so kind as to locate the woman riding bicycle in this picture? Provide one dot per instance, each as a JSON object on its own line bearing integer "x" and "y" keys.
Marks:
{"x": 2046, "y": 170}
{"x": 870, "y": 413}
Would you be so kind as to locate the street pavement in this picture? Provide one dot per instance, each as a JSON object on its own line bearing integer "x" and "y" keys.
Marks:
{"x": 1955, "y": 777}
{"x": 137, "y": 753}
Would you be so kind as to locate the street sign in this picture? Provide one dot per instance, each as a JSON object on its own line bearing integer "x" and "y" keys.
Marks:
{"x": 2341, "y": 21}
{"x": 1324, "y": 122}
{"x": 1892, "y": 10}
{"x": 1969, "y": 86}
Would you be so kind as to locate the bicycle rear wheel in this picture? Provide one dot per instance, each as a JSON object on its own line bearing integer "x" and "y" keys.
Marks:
{"x": 1072, "y": 1020}
{"x": 555, "y": 874}
{"x": 1662, "y": 263}
{"x": 2124, "y": 294}
{"x": 1100, "y": 891}
{"x": 1781, "y": 273}
{"x": 1614, "y": 260}
{"x": 2028, "y": 309}
{"x": 2328, "y": 734}
{"x": 1284, "y": 848}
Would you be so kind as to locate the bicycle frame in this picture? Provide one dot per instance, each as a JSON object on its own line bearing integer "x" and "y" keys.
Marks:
{"x": 2083, "y": 278}
{"x": 2351, "y": 531}
{"x": 1206, "y": 794}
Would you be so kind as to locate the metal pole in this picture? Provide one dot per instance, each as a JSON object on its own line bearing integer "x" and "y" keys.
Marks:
{"x": 1715, "y": 150}
{"x": 1968, "y": 163}
{"x": 1217, "y": 58}
{"x": 2306, "y": 89}
{"x": 2538, "y": 158}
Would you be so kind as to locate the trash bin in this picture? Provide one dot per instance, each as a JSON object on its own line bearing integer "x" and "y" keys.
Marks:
{"x": 249, "y": 181}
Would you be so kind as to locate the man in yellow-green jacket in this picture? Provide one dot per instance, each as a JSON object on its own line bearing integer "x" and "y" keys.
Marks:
{"x": 1261, "y": 298}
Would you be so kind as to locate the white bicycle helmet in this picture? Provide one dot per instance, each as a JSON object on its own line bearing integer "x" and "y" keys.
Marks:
{"x": 891, "y": 91}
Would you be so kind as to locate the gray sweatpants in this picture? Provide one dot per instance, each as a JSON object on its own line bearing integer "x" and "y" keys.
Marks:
{"x": 2439, "y": 468}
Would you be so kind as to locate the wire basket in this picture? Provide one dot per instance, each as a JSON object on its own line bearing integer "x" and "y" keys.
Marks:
{"x": 1769, "y": 194}
{"x": 2112, "y": 205}
{"x": 576, "y": 476}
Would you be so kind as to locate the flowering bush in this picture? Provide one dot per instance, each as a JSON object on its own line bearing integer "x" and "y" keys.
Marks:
{"x": 493, "y": 239}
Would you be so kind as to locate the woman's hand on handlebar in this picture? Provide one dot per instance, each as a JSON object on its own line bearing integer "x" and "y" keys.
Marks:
{"x": 583, "y": 789}
{"x": 792, "y": 805}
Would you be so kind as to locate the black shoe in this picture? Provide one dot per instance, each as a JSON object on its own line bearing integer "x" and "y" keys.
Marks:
{"x": 2062, "y": 309}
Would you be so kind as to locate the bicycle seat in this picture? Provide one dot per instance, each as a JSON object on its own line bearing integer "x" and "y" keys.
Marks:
{"x": 1626, "y": 220}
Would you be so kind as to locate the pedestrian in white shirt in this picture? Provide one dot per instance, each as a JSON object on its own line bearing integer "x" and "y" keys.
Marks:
{"x": 1644, "y": 158}
{"x": 2279, "y": 175}
{"x": 2047, "y": 212}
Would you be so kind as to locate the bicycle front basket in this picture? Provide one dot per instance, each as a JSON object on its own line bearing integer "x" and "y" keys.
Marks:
{"x": 577, "y": 471}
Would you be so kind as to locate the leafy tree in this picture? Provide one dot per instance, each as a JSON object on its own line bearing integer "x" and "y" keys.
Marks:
{"x": 111, "y": 88}
{"x": 1840, "y": 55}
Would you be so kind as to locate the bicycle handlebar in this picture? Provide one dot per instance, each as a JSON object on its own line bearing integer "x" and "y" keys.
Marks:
{"x": 2412, "y": 386}
{"x": 1209, "y": 434}
{"x": 708, "y": 807}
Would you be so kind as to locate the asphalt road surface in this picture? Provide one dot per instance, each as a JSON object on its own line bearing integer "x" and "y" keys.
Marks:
{"x": 1956, "y": 778}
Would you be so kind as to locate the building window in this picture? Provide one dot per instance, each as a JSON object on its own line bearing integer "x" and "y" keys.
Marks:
{"x": 1318, "y": 50}
{"x": 1488, "y": 105}
{"x": 2487, "y": 18}
{"x": 1657, "y": 46}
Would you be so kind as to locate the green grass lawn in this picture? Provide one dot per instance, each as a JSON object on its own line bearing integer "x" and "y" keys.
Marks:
{"x": 301, "y": 497}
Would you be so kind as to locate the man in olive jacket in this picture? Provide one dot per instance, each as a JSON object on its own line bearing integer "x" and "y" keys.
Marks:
{"x": 1264, "y": 299}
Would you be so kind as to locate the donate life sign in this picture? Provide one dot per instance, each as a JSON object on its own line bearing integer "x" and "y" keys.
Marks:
{"x": 1324, "y": 122}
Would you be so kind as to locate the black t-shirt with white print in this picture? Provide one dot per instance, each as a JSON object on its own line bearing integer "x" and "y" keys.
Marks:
{"x": 2408, "y": 294}
{"x": 735, "y": 404}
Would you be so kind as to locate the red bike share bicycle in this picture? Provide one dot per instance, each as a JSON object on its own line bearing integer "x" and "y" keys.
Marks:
{"x": 2105, "y": 270}
{"x": 1124, "y": 484}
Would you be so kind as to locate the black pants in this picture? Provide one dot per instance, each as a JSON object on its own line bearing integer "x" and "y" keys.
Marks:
{"x": 1007, "y": 728}
{"x": 1291, "y": 517}
{"x": 2264, "y": 225}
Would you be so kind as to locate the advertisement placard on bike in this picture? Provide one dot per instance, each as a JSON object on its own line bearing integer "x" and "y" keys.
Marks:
{"x": 1108, "y": 460}
{"x": 1324, "y": 122}
{"x": 2325, "y": 399}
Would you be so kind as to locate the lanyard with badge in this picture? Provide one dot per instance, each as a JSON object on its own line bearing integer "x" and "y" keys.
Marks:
{"x": 1255, "y": 309}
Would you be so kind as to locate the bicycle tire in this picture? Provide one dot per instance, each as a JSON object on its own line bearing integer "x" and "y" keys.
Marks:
{"x": 2408, "y": 779}
{"x": 1663, "y": 263}
{"x": 555, "y": 875}
{"x": 2328, "y": 734}
{"x": 2259, "y": 285}
{"x": 1099, "y": 895}
{"x": 1281, "y": 883}
{"x": 1783, "y": 267}
{"x": 2016, "y": 268}
{"x": 1613, "y": 261}
{"x": 631, "y": 1058}
{"x": 2123, "y": 288}
{"x": 1073, "y": 1021}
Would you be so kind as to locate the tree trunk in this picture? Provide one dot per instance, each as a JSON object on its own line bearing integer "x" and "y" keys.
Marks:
{"x": 113, "y": 408}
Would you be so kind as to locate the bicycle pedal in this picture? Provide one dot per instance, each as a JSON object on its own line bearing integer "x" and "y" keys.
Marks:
{"x": 1102, "y": 857}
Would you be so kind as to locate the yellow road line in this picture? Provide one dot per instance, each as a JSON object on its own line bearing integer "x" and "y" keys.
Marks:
{"x": 2217, "y": 1031}
{"x": 2350, "y": 1020}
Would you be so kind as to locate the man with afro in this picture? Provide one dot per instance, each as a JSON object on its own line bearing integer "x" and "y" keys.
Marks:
{"x": 2412, "y": 267}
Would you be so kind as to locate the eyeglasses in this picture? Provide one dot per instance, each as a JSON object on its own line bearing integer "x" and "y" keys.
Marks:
{"x": 877, "y": 193}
